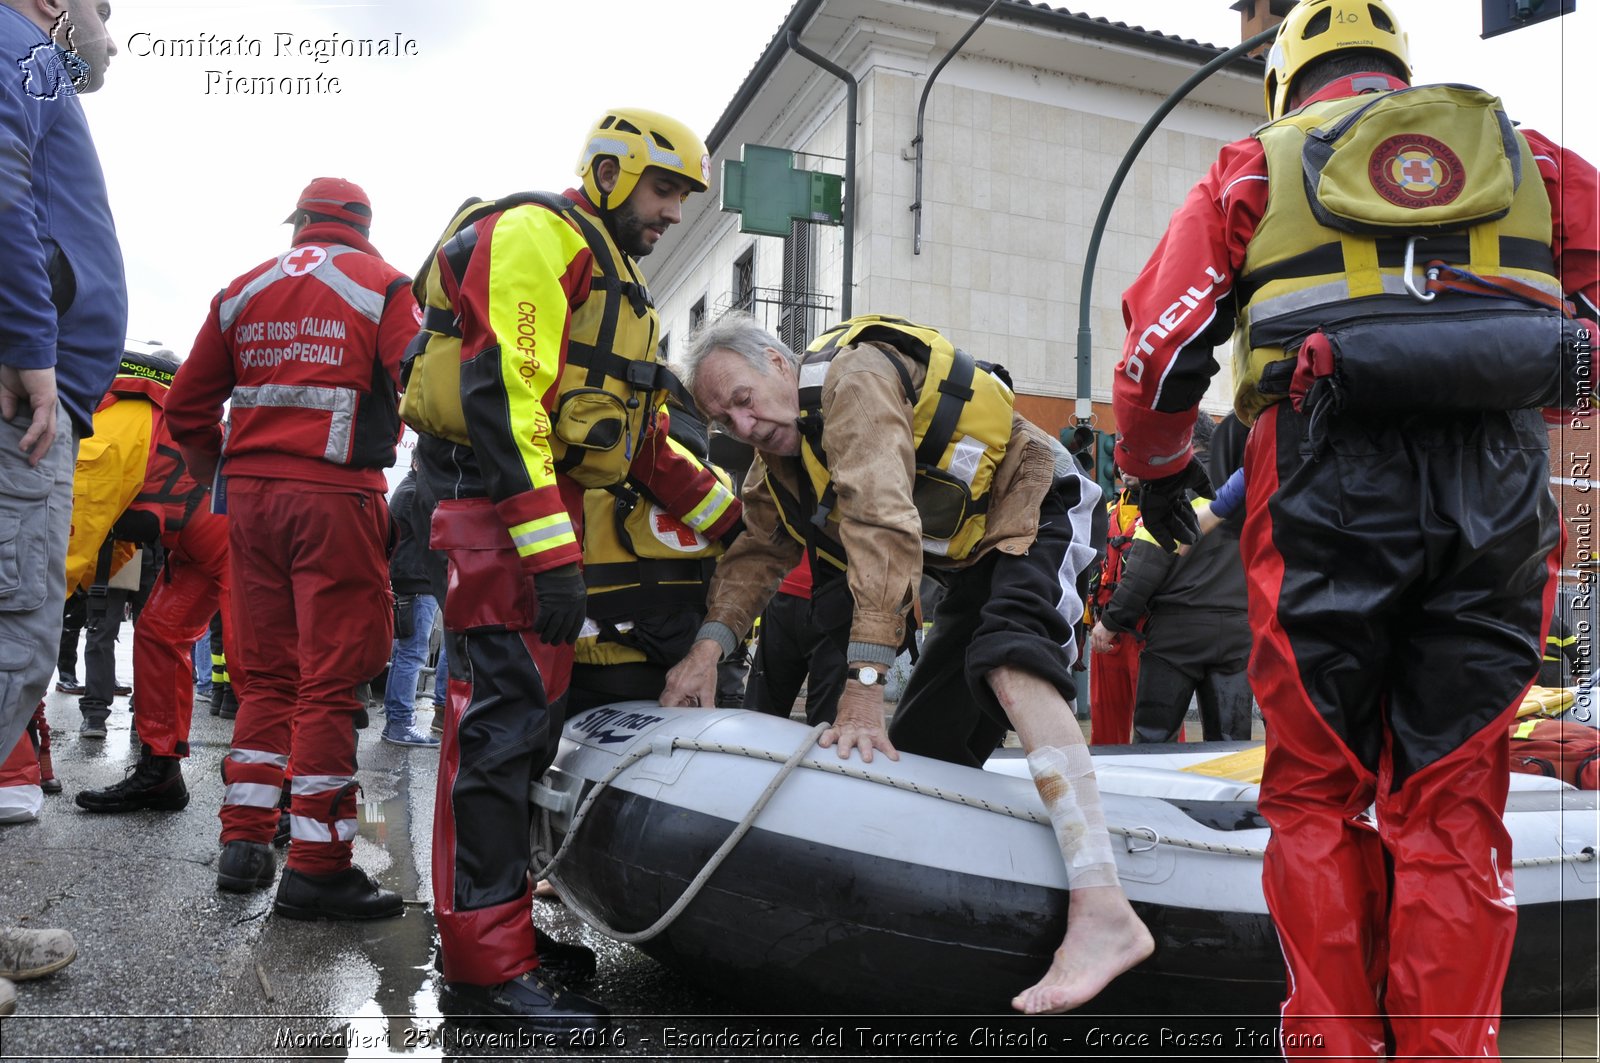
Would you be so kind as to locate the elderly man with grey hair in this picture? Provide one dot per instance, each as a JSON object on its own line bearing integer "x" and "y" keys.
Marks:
{"x": 836, "y": 435}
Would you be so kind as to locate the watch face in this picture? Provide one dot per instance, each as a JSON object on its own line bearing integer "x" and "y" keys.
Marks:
{"x": 868, "y": 675}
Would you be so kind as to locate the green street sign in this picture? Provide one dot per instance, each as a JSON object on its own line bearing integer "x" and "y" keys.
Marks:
{"x": 769, "y": 194}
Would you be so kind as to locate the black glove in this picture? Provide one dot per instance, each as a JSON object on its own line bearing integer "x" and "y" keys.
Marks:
{"x": 1165, "y": 509}
{"x": 562, "y": 601}
{"x": 137, "y": 526}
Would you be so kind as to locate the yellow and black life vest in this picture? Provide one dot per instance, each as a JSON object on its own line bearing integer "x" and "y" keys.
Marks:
{"x": 1378, "y": 203}
{"x": 639, "y": 561}
{"x": 611, "y": 383}
{"x": 961, "y": 425}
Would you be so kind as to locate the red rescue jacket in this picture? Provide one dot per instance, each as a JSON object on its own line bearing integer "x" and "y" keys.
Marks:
{"x": 307, "y": 347}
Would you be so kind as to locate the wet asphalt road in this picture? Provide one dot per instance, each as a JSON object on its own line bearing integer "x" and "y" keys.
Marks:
{"x": 170, "y": 968}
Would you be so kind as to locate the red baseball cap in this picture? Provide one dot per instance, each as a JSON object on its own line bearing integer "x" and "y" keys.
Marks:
{"x": 336, "y": 198}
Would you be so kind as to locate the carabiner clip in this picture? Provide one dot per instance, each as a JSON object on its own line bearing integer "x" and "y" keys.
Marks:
{"x": 1154, "y": 839}
{"x": 1422, "y": 296}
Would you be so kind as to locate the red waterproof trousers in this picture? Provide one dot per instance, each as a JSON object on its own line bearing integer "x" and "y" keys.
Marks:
{"x": 19, "y": 781}
{"x": 505, "y": 711}
{"x": 1113, "y": 682}
{"x": 1400, "y": 583}
{"x": 312, "y": 617}
{"x": 189, "y": 591}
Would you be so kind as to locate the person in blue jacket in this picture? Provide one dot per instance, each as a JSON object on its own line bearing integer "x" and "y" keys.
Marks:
{"x": 63, "y": 319}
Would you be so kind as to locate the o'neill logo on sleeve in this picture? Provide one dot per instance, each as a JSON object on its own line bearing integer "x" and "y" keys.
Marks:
{"x": 1170, "y": 319}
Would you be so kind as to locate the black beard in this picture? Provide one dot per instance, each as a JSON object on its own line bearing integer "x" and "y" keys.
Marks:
{"x": 627, "y": 229}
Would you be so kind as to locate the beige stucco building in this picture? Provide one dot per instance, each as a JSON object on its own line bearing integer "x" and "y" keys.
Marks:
{"x": 1022, "y": 133}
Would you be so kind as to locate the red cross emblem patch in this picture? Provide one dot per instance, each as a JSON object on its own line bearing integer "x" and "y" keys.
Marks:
{"x": 303, "y": 260}
{"x": 1416, "y": 171}
{"x": 674, "y": 533}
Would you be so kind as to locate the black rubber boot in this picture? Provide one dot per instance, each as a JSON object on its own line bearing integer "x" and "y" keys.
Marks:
{"x": 154, "y": 783}
{"x": 527, "y": 1002}
{"x": 280, "y": 840}
{"x": 568, "y": 965}
{"x": 228, "y": 706}
{"x": 347, "y": 894}
{"x": 245, "y": 866}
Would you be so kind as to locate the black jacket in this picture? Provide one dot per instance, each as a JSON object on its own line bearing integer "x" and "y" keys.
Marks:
{"x": 1210, "y": 576}
{"x": 408, "y": 571}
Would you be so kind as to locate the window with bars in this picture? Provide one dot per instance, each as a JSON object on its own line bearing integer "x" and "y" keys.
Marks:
{"x": 697, "y": 313}
{"x": 794, "y": 316}
{"x": 744, "y": 281}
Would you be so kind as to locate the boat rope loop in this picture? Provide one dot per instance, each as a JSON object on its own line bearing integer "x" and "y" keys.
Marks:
{"x": 1148, "y": 835}
{"x": 714, "y": 862}
{"x": 1582, "y": 856}
{"x": 1152, "y": 838}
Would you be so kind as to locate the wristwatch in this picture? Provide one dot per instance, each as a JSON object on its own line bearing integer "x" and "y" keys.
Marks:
{"x": 868, "y": 676}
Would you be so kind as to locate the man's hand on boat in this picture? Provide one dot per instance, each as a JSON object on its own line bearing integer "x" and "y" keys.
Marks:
{"x": 859, "y": 724}
{"x": 692, "y": 682}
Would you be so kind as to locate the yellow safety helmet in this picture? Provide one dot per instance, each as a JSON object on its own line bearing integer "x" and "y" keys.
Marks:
{"x": 638, "y": 139}
{"x": 1317, "y": 27}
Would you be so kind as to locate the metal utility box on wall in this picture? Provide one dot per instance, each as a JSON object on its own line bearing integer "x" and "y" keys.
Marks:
{"x": 769, "y": 194}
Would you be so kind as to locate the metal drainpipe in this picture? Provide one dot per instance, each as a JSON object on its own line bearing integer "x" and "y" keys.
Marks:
{"x": 848, "y": 207}
{"x": 1084, "y": 408}
{"x": 922, "y": 105}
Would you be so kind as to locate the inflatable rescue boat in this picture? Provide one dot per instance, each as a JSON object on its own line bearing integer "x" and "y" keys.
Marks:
{"x": 730, "y": 848}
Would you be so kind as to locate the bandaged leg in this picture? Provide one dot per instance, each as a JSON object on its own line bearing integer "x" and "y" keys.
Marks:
{"x": 1065, "y": 781}
{"x": 1105, "y": 937}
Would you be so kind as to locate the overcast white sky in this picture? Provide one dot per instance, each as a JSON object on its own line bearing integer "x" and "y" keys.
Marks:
{"x": 498, "y": 98}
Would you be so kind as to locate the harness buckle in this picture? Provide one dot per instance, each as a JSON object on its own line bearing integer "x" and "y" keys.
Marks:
{"x": 1421, "y": 295}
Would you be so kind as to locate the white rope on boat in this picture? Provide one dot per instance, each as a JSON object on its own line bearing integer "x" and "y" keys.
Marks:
{"x": 1582, "y": 856}
{"x": 716, "y": 858}
{"x": 1149, "y": 835}
{"x": 1155, "y": 838}
{"x": 850, "y": 770}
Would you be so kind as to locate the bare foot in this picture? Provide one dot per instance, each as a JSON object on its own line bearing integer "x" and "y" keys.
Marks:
{"x": 544, "y": 891}
{"x": 1104, "y": 938}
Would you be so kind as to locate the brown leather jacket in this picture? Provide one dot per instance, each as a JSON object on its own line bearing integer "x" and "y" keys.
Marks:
{"x": 867, "y": 435}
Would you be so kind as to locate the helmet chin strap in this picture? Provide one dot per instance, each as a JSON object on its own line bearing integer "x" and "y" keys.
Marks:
{"x": 608, "y": 218}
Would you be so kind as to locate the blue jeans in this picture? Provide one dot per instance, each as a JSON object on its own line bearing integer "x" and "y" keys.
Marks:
{"x": 441, "y": 675}
{"x": 201, "y": 656}
{"x": 405, "y": 664}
